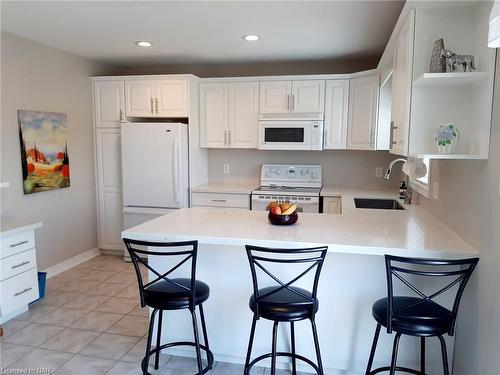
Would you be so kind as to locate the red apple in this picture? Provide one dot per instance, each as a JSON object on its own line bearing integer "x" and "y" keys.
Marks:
{"x": 276, "y": 210}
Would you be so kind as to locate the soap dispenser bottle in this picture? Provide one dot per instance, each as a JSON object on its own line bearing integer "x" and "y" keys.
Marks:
{"x": 402, "y": 190}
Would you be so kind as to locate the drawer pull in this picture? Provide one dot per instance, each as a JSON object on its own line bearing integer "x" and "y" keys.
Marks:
{"x": 18, "y": 244}
{"x": 20, "y": 264}
{"x": 219, "y": 200}
{"x": 22, "y": 291}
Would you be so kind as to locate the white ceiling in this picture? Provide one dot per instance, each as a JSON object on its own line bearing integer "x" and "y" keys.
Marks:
{"x": 206, "y": 31}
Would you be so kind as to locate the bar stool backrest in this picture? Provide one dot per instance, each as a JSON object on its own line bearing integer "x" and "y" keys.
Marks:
{"x": 400, "y": 267}
{"x": 186, "y": 251}
{"x": 260, "y": 258}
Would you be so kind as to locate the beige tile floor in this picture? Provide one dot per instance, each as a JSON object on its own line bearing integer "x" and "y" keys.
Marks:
{"x": 91, "y": 323}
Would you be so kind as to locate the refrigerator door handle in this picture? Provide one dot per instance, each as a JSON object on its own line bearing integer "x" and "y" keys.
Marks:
{"x": 176, "y": 159}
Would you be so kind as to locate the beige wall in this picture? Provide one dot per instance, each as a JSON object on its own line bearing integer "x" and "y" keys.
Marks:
{"x": 340, "y": 168}
{"x": 37, "y": 77}
{"x": 469, "y": 202}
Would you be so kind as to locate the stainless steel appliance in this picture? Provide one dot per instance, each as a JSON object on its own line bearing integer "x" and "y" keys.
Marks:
{"x": 299, "y": 184}
{"x": 291, "y": 131}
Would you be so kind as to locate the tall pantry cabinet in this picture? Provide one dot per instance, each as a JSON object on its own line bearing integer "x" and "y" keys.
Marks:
{"x": 109, "y": 104}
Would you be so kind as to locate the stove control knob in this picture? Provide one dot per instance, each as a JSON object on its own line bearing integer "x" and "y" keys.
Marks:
{"x": 278, "y": 172}
{"x": 303, "y": 172}
{"x": 268, "y": 173}
{"x": 314, "y": 175}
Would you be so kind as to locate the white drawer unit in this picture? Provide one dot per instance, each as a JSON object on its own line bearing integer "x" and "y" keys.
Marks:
{"x": 18, "y": 291}
{"x": 18, "y": 271}
{"x": 221, "y": 200}
{"x": 332, "y": 205}
{"x": 17, "y": 243}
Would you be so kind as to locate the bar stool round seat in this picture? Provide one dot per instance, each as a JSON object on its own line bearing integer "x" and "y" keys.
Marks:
{"x": 169, "y": 296}
{"x": 419, "y": 316}
{"x": 283, "y": 304}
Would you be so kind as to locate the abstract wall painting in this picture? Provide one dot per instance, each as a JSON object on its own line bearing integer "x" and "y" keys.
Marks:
{"x": 44, "y": 150}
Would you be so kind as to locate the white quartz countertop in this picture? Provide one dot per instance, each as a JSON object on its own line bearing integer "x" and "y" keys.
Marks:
{"x": 358, "y": 231}
{"x": 12, "y": 227}
{"x": 226, "y": 187}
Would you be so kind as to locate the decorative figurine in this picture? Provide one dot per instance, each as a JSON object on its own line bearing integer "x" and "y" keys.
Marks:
{"x": 453, "y": 60}
{"x": 447, "y": 137}
{"x": 438, "y": 62}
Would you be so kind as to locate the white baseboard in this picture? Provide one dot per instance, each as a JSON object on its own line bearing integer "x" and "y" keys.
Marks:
{"x": 72, "y": 262}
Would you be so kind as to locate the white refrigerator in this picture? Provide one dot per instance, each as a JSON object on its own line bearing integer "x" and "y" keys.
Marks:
{"x": 155, "y": 167}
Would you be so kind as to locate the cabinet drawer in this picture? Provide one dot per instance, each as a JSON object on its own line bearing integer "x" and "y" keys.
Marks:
{"x": 221, "y": 200}
{"x": 16, "y": 243}
{"x": 17, "y": 264}
{"x": 18, "y": 291}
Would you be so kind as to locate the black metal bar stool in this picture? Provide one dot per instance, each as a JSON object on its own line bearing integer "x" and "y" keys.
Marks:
{"x": 420, "y": 315}
{"x": 164, "y": 293}
{"x": 284, "y": 302}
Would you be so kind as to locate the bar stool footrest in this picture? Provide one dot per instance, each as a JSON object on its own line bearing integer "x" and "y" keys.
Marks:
{"x": 283, "y": 354}
{"x": 182, "y": 343}
{"x": 398, "y": 368}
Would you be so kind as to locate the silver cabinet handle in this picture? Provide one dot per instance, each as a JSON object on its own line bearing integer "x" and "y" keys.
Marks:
{"x": 20, "y": 264}
{"x": 225, "y": 137}
{"x": 22, "y": 292}
{"x": 229, "y": 138}
{"x": 293, "y": 103}
{"x": 152, "y": 104}
{"x": 391, "y": 133}
{"x": 156, "y": 103}
{"x": 219, "y": 200}
{"x": 121, "y": 116}
{"x": 288, "y": 102}
{"x": 18, "y": 244}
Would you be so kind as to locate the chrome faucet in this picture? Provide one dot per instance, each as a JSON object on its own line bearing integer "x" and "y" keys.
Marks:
{"x": 389, "y": 167}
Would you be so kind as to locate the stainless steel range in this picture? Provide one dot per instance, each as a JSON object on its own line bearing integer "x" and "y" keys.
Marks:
{"x": 299, "y": 184}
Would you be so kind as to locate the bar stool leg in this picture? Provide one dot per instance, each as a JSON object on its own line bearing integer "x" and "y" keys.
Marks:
{"x": 422, "y": 355}
{"x": 275, "y": 339}
{"x": 294, "y": 361}
{"x": 148, "y": 346}
{"x": 158, "y": 339}
{"x": 250, "y": 344}
{"x": 373, "y": 349}
{"x": 395, "y": 353}
{"x": 197, "y": 342}
{"x": 204, "y": 328}
{"x": 445, "y": 356}
{"x": 316, "y": 345}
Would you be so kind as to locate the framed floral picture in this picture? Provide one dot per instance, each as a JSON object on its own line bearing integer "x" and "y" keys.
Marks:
{"x": 44, "y": 150}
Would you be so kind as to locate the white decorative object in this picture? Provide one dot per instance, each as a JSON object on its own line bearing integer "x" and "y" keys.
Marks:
{"x": 494, "y": 28}
{"x": 415, "y": 168}
{"x": 447, "y": 137}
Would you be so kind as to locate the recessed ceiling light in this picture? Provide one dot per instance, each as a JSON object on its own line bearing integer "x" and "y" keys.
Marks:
{"x": 251, "y": 38}
{"x": 143, "y": 43}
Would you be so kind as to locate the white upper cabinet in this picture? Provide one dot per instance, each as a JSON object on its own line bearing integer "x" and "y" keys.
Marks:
{"x": 171, "y": 98}
{"x": 308, "y": 96}
{"x": 243, "y": 114}
{"x": 336, "y": 114}
{"x": 401, "y": 87}
{"x": 108, "y": 103}
{"x": 363, "y": 109}
{"x": 301, "y": 96}
{"x": 140, "y": 98}
{"x": 156, "y": 98}
{"x": 275, "y": 96}
{"x": 214, "y": 115}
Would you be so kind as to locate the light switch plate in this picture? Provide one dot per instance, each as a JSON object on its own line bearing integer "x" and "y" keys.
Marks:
{"x": 227, "y": 168}
{"x": 435, "y": 190}
{"x": 378, "y": 172}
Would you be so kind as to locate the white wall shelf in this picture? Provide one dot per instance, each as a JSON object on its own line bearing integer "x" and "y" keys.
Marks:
{"x": 452, "y": 156}
{"x": 445, "y": 79}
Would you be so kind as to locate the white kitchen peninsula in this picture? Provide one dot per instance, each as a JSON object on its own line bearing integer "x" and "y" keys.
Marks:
{"x": 353, "y": 278}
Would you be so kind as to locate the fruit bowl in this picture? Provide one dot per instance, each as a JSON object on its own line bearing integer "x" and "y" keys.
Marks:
{"x": 280, "y": 219}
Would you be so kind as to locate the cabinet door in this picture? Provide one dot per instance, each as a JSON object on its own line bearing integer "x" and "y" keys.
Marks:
{"x": 332, "y": 205}
{"x": 109, "y": 188}
{"x": 108, "y": 103}
{"x": 336, "y": 114}
{"x": 308, "y": 96}
{"x": 363, "y": 107}
{"x": 140, "y": 98}
{"x": 243, "y": 112}
{"x": 401, "y": 87}
{"x": 213, "y": 115}
{"x": 171, "y": 98}
{"x": 274, "y": 97}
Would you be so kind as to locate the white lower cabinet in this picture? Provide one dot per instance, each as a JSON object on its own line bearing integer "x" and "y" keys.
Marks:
{"x": 332, "y": 205}
{"x": 220, "y": 200}
{"x": 19, "y": 276}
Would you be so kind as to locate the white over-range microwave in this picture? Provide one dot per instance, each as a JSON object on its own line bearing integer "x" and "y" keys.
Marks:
{"x": 291, "y": 131}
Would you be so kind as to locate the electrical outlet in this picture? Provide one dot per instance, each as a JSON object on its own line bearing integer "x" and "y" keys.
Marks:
{"x": 435, "y": 190}
{"x": 378, "y": 172}
{"x": 227, "y": 168}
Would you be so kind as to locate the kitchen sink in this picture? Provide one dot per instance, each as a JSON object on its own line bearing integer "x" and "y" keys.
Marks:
{"x": 380, "y": 204}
